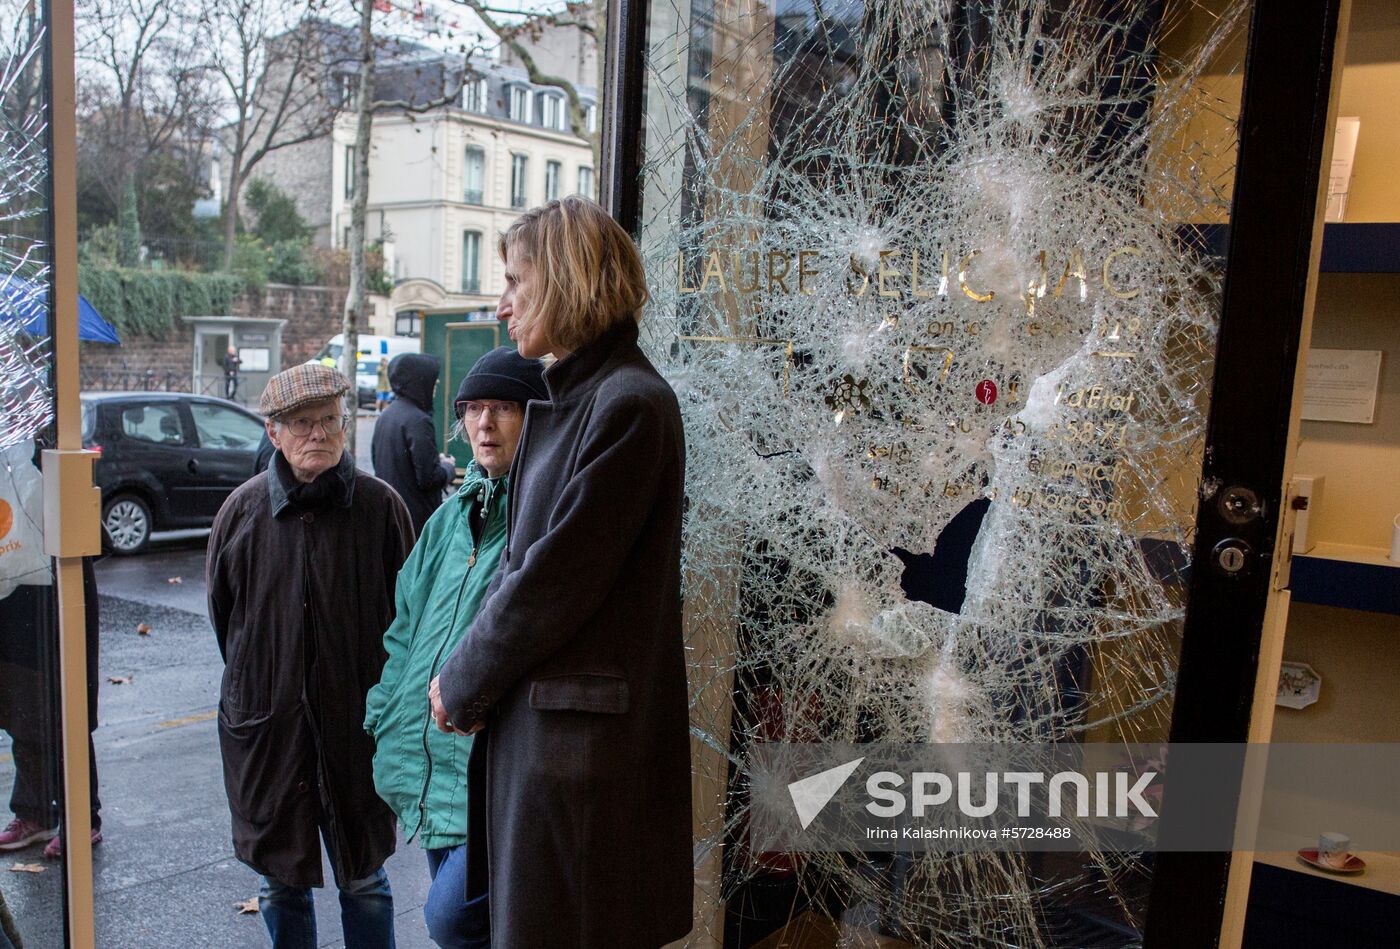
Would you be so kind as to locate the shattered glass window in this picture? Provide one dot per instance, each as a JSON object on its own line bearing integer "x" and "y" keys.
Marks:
{"x": 26, "y": 403}
{"x": 937, "y": 286}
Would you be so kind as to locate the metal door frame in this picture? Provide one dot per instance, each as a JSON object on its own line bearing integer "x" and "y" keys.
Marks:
{"x": 1274, "y": 227}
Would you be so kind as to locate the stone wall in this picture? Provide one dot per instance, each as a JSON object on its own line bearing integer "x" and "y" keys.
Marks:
{"x": 313, "y": 316}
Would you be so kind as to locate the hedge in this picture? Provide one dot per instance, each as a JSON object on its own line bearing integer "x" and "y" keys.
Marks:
{"x": 148, "y": 302}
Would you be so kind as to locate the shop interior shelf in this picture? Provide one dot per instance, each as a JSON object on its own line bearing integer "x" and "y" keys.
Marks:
{"x": 1291, "y": 905}
{"x": 1382, "y": 872}
{"x": 1360, "y": 248}
{"x": 1346, "y": 248}
{"x": 1355, "y": 578}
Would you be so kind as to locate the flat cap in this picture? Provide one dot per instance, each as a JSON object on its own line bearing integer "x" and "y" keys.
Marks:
{"x": 301, "y": 385}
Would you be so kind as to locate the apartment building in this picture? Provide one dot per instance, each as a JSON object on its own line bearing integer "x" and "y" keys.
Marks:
{"x": 444, "y": 183}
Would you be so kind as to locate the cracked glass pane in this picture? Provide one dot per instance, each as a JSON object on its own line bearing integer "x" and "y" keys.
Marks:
{"x": 26, "y": 404}
{"x": 937, "y": 286}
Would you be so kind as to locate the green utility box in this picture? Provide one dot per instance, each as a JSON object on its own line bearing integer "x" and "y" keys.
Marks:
{"x": 459, "y": 338}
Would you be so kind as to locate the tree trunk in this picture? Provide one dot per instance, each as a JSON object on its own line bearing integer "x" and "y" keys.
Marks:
{"x": 128, "y": 227}
{"x": 359, "y": 211}
{"x": 231, "y": 219}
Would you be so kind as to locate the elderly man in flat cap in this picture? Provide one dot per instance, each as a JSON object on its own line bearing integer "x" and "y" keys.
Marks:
{"x": 301, "y": 569}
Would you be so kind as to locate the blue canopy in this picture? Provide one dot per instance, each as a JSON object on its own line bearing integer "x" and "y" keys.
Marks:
{"x": 27, "y": 302}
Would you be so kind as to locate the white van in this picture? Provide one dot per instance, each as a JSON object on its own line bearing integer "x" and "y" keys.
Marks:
{"x": 371, "y": 350}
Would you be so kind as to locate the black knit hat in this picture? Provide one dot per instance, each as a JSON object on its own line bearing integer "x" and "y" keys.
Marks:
{"x": 503, "y": 374}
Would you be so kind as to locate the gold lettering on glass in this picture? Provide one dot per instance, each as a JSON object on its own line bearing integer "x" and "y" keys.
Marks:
{"x": 1128, "y": 250}
{"x": 962, "y": 280}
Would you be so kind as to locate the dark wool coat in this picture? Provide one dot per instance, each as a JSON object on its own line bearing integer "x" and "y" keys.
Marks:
{"x": 405, "y": 445}
{"x": 575, "y": 663}
{"x": 299, "y": 600}
{"x": 29, "y": 659}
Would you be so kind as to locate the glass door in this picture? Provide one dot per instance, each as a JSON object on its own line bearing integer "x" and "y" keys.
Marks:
{"x": 948, "y": 293}
{"x": 42, "y": 672}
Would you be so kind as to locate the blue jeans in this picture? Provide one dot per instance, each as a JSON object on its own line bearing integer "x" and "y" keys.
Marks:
{"x": 454, "y": 922}
{"x": 366, "y": 913}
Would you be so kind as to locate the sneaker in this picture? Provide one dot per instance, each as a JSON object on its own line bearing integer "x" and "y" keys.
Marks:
{"x": 21, "y": 833}
{"x": 54, "y": 850}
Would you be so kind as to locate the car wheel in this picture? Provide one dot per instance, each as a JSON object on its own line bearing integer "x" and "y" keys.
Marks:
{"x": 127, "y": 522}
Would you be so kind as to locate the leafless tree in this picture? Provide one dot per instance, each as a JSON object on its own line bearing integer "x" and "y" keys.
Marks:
{"x": 141, "y": 86}
{"x": 272, "y": 62}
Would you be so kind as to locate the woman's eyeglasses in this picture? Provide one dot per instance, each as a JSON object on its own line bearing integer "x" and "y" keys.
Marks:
{"x": 330, "y": 424}
{"x": 497, "y": 410}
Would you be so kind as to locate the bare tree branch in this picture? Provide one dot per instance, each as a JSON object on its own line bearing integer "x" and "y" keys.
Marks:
{"x": 137, "y": 90}
{"x": 509, "y": 34}
{"x": 272, "y": 62}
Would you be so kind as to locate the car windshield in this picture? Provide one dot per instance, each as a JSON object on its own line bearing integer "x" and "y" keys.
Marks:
{"x": 330, "y": 349}
{"x": 89, "y": 419}
{"x": 220, "y": 426}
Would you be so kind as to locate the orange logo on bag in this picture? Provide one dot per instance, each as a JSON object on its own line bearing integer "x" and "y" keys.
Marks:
{"x": 7, "y": 518}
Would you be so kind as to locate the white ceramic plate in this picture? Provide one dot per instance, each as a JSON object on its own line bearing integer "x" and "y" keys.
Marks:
{"x": 1299, "y": 685}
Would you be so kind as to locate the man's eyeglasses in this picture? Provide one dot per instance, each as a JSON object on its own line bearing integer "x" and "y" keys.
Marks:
{"x": 330, "y": 424}
{"x": 497, "y": 410}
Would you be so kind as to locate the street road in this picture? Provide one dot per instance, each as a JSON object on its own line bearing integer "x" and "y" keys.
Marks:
{"x": 166, "y": 875}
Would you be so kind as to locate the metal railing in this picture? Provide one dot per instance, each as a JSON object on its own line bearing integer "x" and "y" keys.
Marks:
{"x": 98, "y": 379}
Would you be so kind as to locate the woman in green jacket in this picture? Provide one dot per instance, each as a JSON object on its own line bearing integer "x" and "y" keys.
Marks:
{"x": 419, "y": 771}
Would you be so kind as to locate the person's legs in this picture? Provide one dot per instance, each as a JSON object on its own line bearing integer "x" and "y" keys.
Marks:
{"x": 34, "y": 797}
{"x": 289, "y": 913}
{"x": 92, "y": 786}
{"x": 454, "y": 922}
{"x": 367, "y": 912}
{"x": 54, "y": 850}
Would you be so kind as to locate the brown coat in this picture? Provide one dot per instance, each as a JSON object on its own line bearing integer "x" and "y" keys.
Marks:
{"x": 576, "y": 664}
{"x": 299, "y": 601}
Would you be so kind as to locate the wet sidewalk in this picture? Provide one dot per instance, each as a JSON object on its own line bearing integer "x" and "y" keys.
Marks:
{"x": 166, "y": 875}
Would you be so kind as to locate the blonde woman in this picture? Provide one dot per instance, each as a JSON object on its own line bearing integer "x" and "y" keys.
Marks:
{"x": 572, "y": 674}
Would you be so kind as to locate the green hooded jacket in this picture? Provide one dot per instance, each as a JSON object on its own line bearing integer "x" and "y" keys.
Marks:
{"x": 420, "y": 772}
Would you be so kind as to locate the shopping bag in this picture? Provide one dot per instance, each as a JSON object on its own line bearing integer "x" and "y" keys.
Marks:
{"x": 22, "y": 558}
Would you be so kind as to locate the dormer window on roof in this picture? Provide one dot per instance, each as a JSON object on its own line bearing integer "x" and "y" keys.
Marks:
{"x": 474, "y": 96}
{"x": 347, "y": 87}
{"x": 518, "y": 103}
{"x": 554, "y": 112}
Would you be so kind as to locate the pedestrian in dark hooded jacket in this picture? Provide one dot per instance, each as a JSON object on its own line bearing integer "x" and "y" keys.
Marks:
{"x": 300, "y": 571}
{"x": 405, "y": 444}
